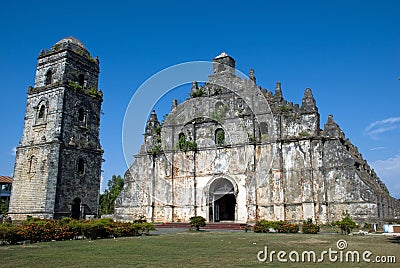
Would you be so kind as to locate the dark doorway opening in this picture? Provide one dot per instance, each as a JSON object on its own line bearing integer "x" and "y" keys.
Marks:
{"x": 224, "y": 208}
{"x": 76, "y": 209}
{"x": 222, "y": 201}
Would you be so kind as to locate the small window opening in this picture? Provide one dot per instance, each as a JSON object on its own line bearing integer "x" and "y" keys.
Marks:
{"x": 81, "y": 80}
{"x": 181, "y": 141}
{"x": 49, "y": 78}
{"x": 219, "y": 137}
{"x": 81, "y": 166}
{"x": 32, "y": 165}
{"x": 81, "y": 115}
{"x": 42, "y": 111}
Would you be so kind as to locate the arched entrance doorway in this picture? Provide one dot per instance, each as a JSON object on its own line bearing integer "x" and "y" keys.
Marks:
{"x": 76, "y": 208}
{"x": 222, "y": 201}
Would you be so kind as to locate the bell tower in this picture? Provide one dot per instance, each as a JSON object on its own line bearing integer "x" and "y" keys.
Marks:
{"x": 58, "y": 161}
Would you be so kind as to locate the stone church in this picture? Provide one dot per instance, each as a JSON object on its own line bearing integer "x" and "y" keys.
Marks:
{"x": 58, "y": 160}
{"x": 236, "y": 152}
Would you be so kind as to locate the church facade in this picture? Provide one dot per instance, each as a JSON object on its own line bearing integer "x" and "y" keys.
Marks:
{"x": 237, "y": 152}
{"x": 58, "y": 160}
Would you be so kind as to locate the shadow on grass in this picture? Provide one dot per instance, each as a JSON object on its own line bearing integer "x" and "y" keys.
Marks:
{"x": 197, "y": 231}
{"x": 395, "y": 239}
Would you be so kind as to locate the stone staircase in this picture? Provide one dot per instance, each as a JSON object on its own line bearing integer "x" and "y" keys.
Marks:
{"x": 209, "y": 226}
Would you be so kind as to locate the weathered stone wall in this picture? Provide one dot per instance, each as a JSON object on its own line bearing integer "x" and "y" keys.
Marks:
{"x": 37, "y": 156}
{"x": 278, "y": 163}
{"x": 61, "y": 128}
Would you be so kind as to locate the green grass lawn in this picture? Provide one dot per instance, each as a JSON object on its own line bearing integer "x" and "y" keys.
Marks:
{"x": 192, "y": 249}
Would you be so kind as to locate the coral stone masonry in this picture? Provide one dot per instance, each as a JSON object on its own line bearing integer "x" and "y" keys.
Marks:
{"x": 58, "y": 160}
{"x": 236, "y": 152}
{"x": 232, "y": 152}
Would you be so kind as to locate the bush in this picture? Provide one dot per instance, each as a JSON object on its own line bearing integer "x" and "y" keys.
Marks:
{"x": 36, "y": 230}
{"x": 289, "y": 228}
{"x": 309, "y": 227}
{"x": 264, "y": 226}
{"x": 347, "y": 224}
{"x": 121, "y": 229}
{"x": 45, "y": 230}
{"x": 97, "y": 229}
{"x": 76, "y": 227}
{"x": 197, "y": 221}
{"x": 9, "y": 234}
{"x": 146, "y": 227}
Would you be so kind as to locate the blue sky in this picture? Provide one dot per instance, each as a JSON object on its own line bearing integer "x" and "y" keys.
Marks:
{"x": 347, "y": 52}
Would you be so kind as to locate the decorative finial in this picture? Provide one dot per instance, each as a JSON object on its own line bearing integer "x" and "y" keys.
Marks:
{"x": 251, "y": 75}
{"x": 174, "y": 103}
{"x": 195, "y": 85}
{"x": 278, "y": 96}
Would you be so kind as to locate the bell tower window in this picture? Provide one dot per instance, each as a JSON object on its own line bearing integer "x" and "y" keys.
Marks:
{"x": 42, "y": 111}
{"x": 81, "y": 115}
{"x": 81, "y": 166}
{"x": 81, "y": 80}
{"x": 49, "y": 78}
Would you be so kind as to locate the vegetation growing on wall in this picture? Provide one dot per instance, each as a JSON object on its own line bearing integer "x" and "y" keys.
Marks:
{"x": 186, "y": 145}
{"x": 198, "y": 93}
{"x": 220, "y": 113}
{"x": 75, "y": 86}
{"x": 98, "y": 94}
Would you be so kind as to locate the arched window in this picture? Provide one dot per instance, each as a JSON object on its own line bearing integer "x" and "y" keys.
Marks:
{"x": 218, "y": 105}
{"x": 81, "y": 166}
{"x": 182, "y": 141}
{"x": 81, "y": 115}
{"x": 49, "y": 78}
{"x": 219, "y": 137}
{"x": 81, "y": 80}
{"x": 42, "y": 111}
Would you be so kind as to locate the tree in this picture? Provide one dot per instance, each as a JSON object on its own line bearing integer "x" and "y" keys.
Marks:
{"x": 197, "y": 221}
{"x": 3, "y": 206}
{"x": 107, "y": 199}
{"x": 346, "y": 224}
